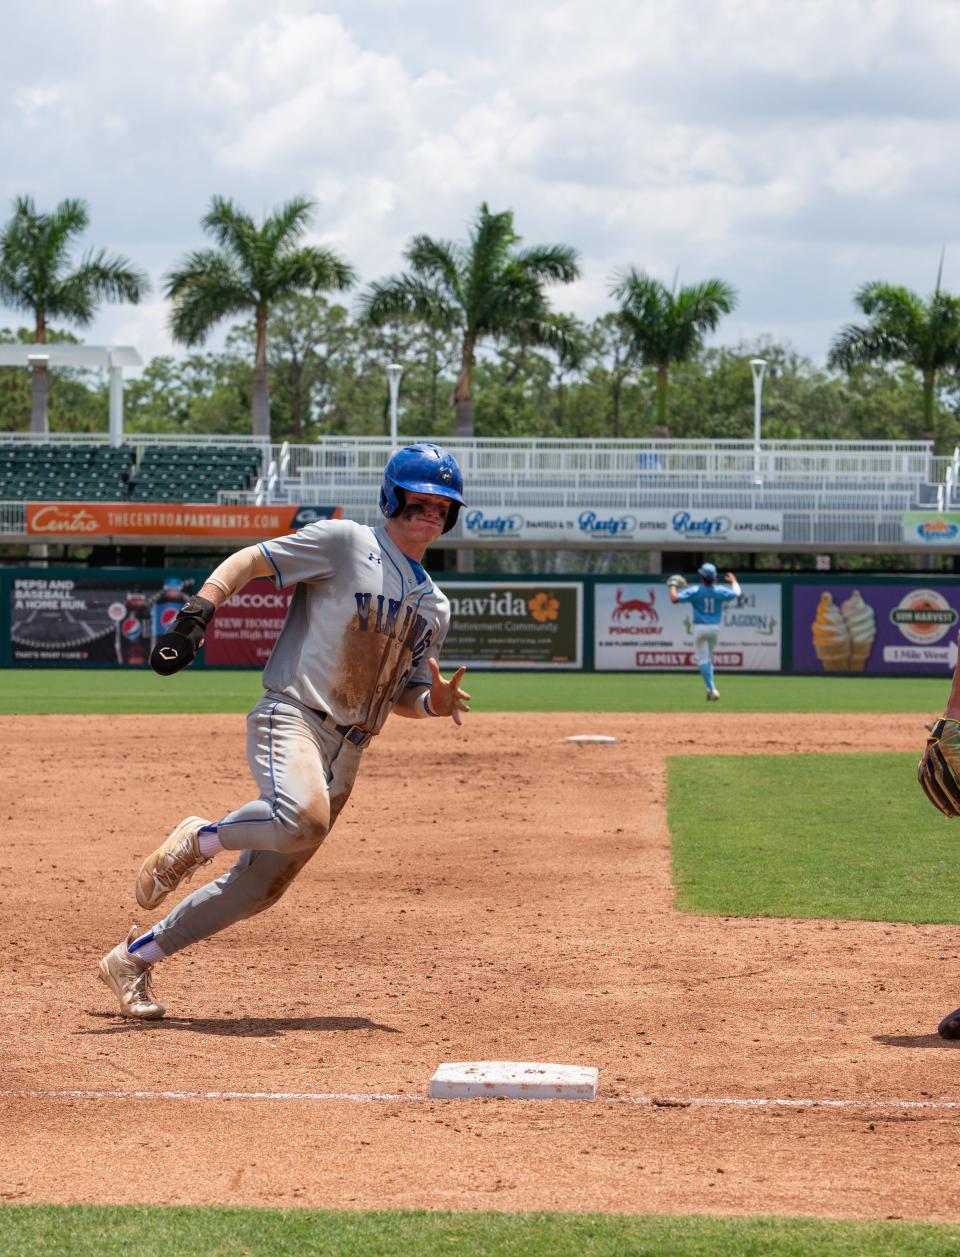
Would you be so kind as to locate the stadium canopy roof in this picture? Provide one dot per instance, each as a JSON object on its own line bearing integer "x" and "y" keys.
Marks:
{"x": 70, "y": 355}
{"x": 113, "y": 357}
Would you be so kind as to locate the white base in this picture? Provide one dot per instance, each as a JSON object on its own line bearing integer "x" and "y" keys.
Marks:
{"x": 513, "y": 1080}
{"x": 600, "y": 738}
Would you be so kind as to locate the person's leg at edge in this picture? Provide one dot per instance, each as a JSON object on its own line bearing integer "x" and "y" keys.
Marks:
{"x": 288, "y": 754}
{"x": 704, "y": 660}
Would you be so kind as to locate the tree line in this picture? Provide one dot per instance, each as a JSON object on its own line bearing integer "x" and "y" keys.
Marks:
{"x": 483, "y": 349}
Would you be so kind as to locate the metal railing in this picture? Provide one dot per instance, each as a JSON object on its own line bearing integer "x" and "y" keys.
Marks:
{"x": 839, "y": 493}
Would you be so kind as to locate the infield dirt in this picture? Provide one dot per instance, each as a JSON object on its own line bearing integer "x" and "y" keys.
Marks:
{"x": 490, "y": 892}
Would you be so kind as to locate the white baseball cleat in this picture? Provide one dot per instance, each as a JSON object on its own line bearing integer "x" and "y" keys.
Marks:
{"x": 173, "y": 861}
{"x": 713, "y": 696}
{"x": 129, "y": 979}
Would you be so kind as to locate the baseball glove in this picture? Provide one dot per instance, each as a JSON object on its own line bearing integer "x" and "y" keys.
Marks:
{"x": 676, "y": 582}
{"x": 939, "y": 769}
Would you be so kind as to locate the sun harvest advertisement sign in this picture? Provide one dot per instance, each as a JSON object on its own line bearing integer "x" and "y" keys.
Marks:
{"x": 522, "y": 624}
{"x": 600, "y": 525}
{"x": 169, "y": 519}
{"x": 638, "y": 628}
{"x": 890, "y": 628}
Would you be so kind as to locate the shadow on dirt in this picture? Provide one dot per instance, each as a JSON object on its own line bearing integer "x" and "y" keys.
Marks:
{"x": 916, "y": 1041}
{"x": 239, "y": 1027}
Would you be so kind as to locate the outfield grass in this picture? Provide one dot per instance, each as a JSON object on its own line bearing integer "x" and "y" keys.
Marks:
{"x": 67, "y": 690}
{"x": 848, "y": 837}
{"x": 98, "y": 1231}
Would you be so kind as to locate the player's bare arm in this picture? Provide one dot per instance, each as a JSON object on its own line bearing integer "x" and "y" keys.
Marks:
{"x": 443, "y": 698}
{"x": 234, "y": 574}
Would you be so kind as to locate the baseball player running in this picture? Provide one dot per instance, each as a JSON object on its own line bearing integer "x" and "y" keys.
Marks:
{"x": 361, "y": 639}
{"x": 707, "y": 600}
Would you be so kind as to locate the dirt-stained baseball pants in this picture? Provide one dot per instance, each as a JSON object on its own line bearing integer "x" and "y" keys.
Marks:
{"x": 305, "y": 772}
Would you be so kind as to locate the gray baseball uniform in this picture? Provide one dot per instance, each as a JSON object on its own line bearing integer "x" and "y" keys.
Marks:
{"x": 362, "y": 623}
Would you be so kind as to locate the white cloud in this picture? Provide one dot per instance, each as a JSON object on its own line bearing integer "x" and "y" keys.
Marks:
{"x": 802, "y": 140}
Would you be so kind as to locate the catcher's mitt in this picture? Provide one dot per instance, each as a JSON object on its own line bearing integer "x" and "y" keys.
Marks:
{"x": 676, "y": 582}
{"x": 939, "y": 769}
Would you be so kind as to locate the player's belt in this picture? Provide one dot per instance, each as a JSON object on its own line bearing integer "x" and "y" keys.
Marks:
{"x": 356, "y": 735}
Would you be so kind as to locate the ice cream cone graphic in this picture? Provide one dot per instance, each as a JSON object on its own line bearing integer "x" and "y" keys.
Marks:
{"x": 861, "y": 624}
{"x": 831, "y": 637}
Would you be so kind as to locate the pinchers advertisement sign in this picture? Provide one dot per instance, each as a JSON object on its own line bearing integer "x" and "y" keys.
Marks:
{"x": 879, "y": 629}
{"x": 638, "y": 629}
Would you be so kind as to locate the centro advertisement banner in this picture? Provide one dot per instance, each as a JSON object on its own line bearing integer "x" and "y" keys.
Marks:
{"x": 663, "y": 526}
{"x": 521, "y": 624}
{"x": 638, "y": 628}
{"x": 941, "y": 529}
{"x": 896, "y": 628}
{"x": 169, "y": 519}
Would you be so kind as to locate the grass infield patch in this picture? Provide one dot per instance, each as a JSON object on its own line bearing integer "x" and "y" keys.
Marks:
{"x": 847, "y": 836}
{"x": 42, "y": 691}
{"x": 82, "y": 1231}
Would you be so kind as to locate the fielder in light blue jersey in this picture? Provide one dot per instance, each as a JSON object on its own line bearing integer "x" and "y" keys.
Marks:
{"x": 707, "y": 601}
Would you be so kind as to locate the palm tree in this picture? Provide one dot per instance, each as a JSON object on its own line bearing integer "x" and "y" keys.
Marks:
{"x": 253, "y": 268}
{"x": 903, "y": 327}
{"x": 666, "y": 326}
{"x": 484, "y": 288}
{"x": 37, "y": 276}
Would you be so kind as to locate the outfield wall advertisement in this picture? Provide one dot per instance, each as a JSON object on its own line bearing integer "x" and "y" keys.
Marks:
{"x": 102, "y": 620}
{"x": 92, "y": 619}
{"x": 637, "y": 628}
{"x": 521, "y": 624}
{"x": 889, "y": 629}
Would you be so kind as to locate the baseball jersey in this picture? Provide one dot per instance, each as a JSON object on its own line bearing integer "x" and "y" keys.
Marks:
{"x": 707, "y": 601}
{"x": 361, "y": 625}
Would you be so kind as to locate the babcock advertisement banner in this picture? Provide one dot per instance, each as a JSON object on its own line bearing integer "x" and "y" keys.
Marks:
{"x": 897, "y": 628}
{"x": 665, "y": 526}
{"x": 521, "y": 624}
{"x": 638, "y": 628}
{"x": 243, "y": 631}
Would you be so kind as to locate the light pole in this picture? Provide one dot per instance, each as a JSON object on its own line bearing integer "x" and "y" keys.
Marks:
{"x": 758, "y": 366}
{"x": 394, "y": 372}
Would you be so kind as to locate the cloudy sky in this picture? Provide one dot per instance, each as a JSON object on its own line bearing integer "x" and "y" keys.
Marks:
{"x": 795, "y": 148}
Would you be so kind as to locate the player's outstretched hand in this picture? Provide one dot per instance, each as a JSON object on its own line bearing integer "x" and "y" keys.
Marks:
{"x": 446, "y": 697}
{"x": 729, "y": 577}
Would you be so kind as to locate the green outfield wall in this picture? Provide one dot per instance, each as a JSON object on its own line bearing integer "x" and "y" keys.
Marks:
{"x": 896, "y": 625}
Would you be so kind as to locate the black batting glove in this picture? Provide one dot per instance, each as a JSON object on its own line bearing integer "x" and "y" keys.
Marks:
{"x": 179, "y": 645}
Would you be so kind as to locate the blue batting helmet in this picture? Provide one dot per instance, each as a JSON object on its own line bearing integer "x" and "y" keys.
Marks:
{"x": 707, "y": 572}
{"x": 422, "y": 468}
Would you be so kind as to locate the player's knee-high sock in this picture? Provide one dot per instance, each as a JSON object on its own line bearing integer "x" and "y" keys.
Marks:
{"x": 706, "y": 671}
{"x": 146, "y": 949}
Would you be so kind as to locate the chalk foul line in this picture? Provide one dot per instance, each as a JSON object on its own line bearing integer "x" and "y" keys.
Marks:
{"x": 380, "y": 1097}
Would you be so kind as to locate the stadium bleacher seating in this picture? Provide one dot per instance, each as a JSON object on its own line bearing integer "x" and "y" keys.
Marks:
{"x": 192, "y": 473}
{"x": 64, "y": 472}
{"x": 164, "y": 473}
